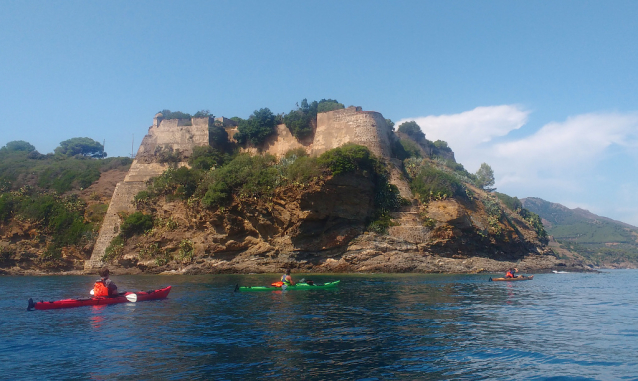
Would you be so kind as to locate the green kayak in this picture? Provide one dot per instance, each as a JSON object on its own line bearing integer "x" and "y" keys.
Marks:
{"x": 297, "y": 286}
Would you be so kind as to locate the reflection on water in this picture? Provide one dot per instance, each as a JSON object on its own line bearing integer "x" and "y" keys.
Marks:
{"x": 371, "y": 327}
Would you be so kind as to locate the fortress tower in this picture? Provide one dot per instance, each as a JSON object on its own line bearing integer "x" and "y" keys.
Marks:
{"x": 178, "y": 136}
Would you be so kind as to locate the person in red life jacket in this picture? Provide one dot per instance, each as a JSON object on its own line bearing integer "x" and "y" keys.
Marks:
{"x": 512, "y": 273}
{"x": 104, "y": 286}
{"x": 287, "y": 279}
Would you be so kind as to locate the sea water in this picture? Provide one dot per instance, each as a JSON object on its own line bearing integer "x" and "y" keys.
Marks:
{"x": 372, "y": 327}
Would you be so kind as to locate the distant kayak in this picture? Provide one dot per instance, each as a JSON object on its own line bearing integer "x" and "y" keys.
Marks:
{"x": 297, "y": 286}
{"x": 125, "y": 297}
{"x": 560, "y": 272}
{"x": 520, "y": 277}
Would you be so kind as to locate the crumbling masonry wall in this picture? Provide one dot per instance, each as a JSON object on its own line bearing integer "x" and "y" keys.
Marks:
{"x": 350, "y": 125}
{"x": 177, "y": 135}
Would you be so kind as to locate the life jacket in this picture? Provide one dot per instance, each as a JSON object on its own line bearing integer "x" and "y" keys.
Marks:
{"x": 100, "y": 289}
{"x": 277, "y": 284}
{"x": 509, "y": 275}
{"x": 283, "y": 280}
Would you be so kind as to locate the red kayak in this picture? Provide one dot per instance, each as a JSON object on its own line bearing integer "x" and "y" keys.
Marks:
{"x": 125, "y": 297}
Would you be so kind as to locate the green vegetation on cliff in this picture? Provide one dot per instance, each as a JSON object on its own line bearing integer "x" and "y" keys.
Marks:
{"x": 58, "y": 172}
{"x": 603, "y": 241}
{"x": 300, "y": 121}
{"x": 514, "y": 204}
{"x": 38, "y": 194}
{"x": 48, "y": 215}
{"x": 254, "y": 130}
{"x": 246, "y": 176}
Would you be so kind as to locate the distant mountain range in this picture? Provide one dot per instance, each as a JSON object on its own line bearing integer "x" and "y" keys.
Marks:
{"x": 603, "y": 241}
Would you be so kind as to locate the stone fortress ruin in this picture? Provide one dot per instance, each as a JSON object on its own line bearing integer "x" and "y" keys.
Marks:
{"x": 178, "y": 137}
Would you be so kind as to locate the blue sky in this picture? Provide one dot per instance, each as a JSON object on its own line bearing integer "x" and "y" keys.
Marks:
{"x": 544, "y": 92}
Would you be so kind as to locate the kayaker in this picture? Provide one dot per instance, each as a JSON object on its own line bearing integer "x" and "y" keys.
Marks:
{"x": 104, "y": 286}
{"x": 512, "y": 273}
{"x": 287, "y": 279}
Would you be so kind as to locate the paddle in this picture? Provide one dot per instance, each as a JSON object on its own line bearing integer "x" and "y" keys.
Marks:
{"x": 132, "y": 297}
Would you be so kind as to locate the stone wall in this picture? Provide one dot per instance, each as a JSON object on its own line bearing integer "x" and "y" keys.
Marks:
{"x": 367, "y": 128}
{"x": 178, "y": 135}
{"x": 120, "y": 202}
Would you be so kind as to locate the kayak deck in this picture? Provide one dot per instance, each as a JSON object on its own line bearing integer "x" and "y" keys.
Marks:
{"x": 518, "y": 278}
{"x": 297, "y": 286}
{"x": 99, "y": 300}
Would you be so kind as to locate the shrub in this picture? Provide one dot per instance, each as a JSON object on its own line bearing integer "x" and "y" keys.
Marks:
{"x": 492, "y": 207}
{"x": 259, "y": 126}
{"x": 381, "y": 224}
{"x": 7, "y": 255}
{"x": 326, "y": 105}
{"x": 247, "y": 175}
{"x": 96, "y": 212}
{"x": 512, "y": 203}
{"x": 68, "y": 228}
{"x": 537, "y": 224}
{"x": 180, "y": 183}
{"x": 303, "y": 169}
{"x": 218, "y": 137}
{"x": 115, "y": 163}
{"x": 442, "y": 146}
{"x": 431, "y": 183}
{"x": 168, "y": 114}
{"x": 348, "y": 158}
{"x": 168, "y": 155}
{"x": 202, "y": 114}
{"x": 412, "y": 129}
{"x": 207, "y": 157}
{"x": 7, "y": 206}
{"x": 135, "y": 224}
{"x": 114, "y": 249}
{"x": 299, "y": 123}
{"x": 296, "y": 153}
{"x": 186, "y": 251}
{"x": 51, "y": 257}
{"x": 411, "y": 148}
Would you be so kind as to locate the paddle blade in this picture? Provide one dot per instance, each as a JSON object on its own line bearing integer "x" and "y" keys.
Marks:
{"x": 131, "y": 298}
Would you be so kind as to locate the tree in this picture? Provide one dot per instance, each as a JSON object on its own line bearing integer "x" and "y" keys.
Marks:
{"x": 412, "y": 130}
{"x": 326, "y": 105}
{"x": 256, "y": 128}
{"x": 390, "y": 123}
{"x": 299, "y": 122}
{"x": 168, "y": 114}
{"x": 81, "y": 146}
{"x": 202, "y": 114}
{"x": 485, "y": 178}
{"x": 218, "y": 137}
{"x": 18, "y": 145}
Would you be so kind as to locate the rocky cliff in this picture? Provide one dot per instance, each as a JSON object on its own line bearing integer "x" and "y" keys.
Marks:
{"x": 319, "y": 225}
{"x": 322, "y": 226}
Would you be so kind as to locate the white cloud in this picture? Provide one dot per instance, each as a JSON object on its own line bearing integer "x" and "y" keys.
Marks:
{"x": 466, "y": 131}
{"x": 574, "y": 143}
{"x": 558, "y": 161}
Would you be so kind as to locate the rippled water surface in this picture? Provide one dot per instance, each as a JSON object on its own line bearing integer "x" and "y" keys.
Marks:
{"x": 578, "y": 326}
